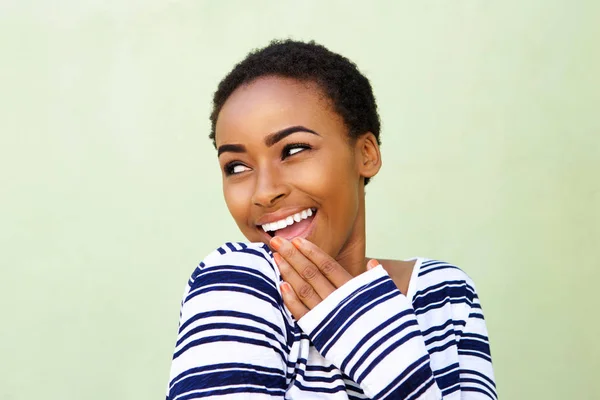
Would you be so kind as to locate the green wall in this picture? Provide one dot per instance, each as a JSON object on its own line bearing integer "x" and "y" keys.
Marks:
{"x": 110, "y": 189}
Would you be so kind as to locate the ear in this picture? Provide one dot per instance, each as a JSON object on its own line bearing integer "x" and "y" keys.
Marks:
{"x": 368, "y": 156}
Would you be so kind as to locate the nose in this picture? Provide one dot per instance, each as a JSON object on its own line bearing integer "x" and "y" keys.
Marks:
{"x": 269, "y": 189}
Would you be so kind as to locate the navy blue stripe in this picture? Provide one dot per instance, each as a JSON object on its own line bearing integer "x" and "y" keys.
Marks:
{"x": 474, "y": 345}
{"x": 221, "y": 379}
{"x": 240, "y": 268}
{"x": 454, "y": 283}
{"x": 221, "y": 250}
{"x": 355, "y": 317}
{"x": 259, "y": 254}
{"x": 415, "y": 375}
{"x": 448, "y": 378}
{"x": 474, "y": 354}
{"x": 474, "y": 335}
{"x": 237, "y": 277}
{"x": 479, "y": 374}
{"x": 385, "y": 353}
{"x": 446, "y": 266}
{"x": 352, "y": 397}
{"x": 231, "y": 246}
{"x": 449, "y": 390}
{"x": 233, "y": 314}
{"x": 196, "y": 272}
{"x": 228, "y": 338}
{"x": 380, "y": 342}
{"x": 230, "y": 289}
{"x": 477, "y": 390}
{"x": 433, "y": 339}
{"x": 322, "y": 379}
{"x": 442, "y": 347}
{"x": 336, "y": 389}
{"x": 376, "y": 295}
{"x": 431, "y": 263}
{"x": 349, "y": 298}
{"x": 477, "y": 382}
{"x": 368, "y": 336}
{"x": 454, "y": 292}
{"x": 447, "y": 300}
{"x": 446, "y": 369}
{"x": 422, "y": 390}
{"x": 443, "y": 326}
{"x": 320, "y": 368}
{"x": 236, "y": 327}
{"x": 221, "y": 392}
{"x": 226, "y": 366}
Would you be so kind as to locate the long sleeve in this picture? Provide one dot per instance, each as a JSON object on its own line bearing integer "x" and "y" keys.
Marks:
{"x": 233, "y": 339}
{"x": 475, "y": 360}
{"x": 369, "y": 330}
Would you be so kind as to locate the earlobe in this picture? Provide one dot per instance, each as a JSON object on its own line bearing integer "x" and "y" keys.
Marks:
{"x": 370, "y": 156}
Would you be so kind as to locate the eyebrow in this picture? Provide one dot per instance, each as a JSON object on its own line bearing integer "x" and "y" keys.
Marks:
{"x": 273, "y": 138}
{"x": 270, "y": 140}
{"x": 233, "y": 148}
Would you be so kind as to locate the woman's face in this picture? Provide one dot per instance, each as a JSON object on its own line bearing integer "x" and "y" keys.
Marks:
{"x": 289, "y": 168}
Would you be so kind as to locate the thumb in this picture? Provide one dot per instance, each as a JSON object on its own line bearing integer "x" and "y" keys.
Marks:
{"x": 372, "y": 264}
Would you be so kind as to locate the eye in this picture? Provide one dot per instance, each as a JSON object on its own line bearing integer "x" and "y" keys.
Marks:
{"x": 234, "y": 168}
{"x": 294, "y": 148}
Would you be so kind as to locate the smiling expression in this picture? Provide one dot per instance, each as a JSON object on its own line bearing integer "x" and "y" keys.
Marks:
{"x": 285, "y": 154}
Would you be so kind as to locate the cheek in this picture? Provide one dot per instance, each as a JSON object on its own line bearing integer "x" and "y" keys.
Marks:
{"x": 331, "y": 179}
{"x": 237, "y": 200}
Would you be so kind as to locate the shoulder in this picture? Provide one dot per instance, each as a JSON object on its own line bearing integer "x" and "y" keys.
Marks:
{"x": 436, "y": 284}
{"x": 236, "y": 271}
{"x": 244, "y": 262}
{"x": 432, "y": 271}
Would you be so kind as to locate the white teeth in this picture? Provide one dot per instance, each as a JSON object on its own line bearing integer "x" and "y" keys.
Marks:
{"x": 274, "y": 226}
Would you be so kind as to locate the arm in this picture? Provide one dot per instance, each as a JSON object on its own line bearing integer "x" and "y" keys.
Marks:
{"x": 232, "y": 339}
{"x": 474, "y": 357}
{"x": 368, "y": 330}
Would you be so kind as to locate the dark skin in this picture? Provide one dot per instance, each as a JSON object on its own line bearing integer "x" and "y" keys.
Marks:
{"x": 283, "y": 149}
{"x": 310, "y": 275}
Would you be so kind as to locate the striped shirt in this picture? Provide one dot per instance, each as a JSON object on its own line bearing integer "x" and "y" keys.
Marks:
{"x": 237, "y": 340}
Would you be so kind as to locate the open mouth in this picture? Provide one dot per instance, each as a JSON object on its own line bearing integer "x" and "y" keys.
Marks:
{"x": 292, "y": 226}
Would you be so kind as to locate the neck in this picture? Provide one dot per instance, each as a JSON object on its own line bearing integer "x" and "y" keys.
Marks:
{"x": 352, "y": 256}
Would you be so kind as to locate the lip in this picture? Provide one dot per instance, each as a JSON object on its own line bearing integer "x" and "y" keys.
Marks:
{"x": 278, "y": 215}
{"x": 307, "y": 232}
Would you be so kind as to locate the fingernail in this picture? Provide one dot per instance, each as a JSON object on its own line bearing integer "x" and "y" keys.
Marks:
{"x": 285, "y": 287}
{"x": 276, "y": 242}
{"x": 297, "y": 241}
{"x": 277, "y": 258}
{"x": 372, "y": 264}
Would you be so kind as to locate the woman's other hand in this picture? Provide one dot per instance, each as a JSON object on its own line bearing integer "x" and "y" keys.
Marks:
{"x": 309, "y": 274}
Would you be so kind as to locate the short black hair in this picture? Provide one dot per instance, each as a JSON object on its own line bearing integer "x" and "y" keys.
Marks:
{"x": 348, "y": 89}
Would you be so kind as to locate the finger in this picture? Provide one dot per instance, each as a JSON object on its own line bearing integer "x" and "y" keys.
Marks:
{"x": 304, "y": 267}
{"x": 303, "y": 290}
{"x": 329, "y": 267}
{"x": 372, "y": 264}
{"x": 291, "y": 301}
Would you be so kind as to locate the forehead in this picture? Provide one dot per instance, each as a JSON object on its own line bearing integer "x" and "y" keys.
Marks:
{"x": 270, "y": 104}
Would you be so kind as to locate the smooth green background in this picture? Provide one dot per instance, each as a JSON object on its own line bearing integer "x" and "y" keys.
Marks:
{"x": 111, "y": 193}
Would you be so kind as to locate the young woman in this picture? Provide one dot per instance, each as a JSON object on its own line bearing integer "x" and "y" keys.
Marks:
{"x": 300, "y": 312}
